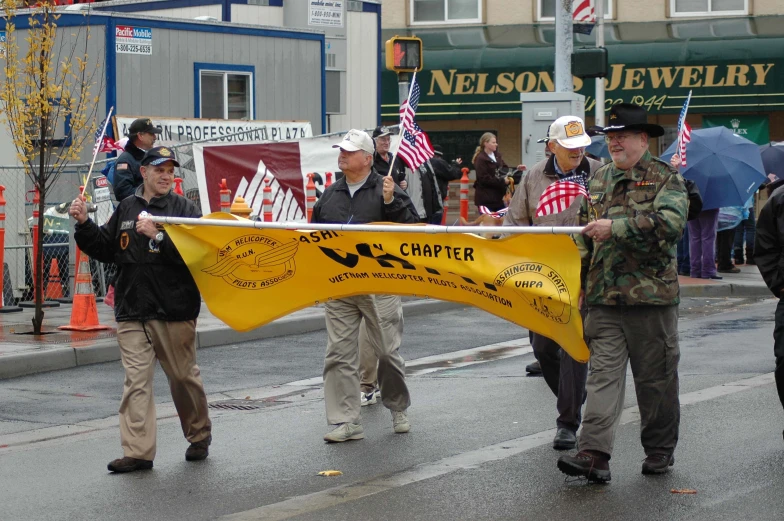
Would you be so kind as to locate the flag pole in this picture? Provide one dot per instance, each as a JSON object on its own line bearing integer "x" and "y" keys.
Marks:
{"x": 683, "y": 124}
{"x": 401, "y": 129}
{"x": 96, "y": 148}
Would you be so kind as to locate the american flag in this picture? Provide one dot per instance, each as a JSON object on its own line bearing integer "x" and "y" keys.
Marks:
{"x": 684, "y": 131}
{"x": 559, "y": 196}
{"x": 484, "y": 210}
{"x": 104, "y": 143}
{"x": 583, "y": 12}
{"x": 415, "y": 147}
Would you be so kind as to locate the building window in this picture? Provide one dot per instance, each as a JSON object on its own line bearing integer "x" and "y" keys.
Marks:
{"x": 224, "y": 91}
{"x": 445, "y": 11}
{"x": 546, "y": 9}
{"x": 709, "y": 7}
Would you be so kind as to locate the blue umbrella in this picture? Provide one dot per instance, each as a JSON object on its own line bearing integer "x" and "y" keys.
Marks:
{"x": 598, "y": 147}
{"x": 726, "y": 167}
{"x": 773, "y": 158}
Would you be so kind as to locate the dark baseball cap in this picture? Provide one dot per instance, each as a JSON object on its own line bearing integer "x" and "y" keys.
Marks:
{"x": 381, "y": 131}
{"x": 438, "y": 150}
{"x": 159, "y": 155}
{"x": 143, "y": 125}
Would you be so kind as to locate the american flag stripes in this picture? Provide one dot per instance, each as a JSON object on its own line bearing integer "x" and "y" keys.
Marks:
{"x": 583, "y": 12}
{"x": 684, "y": 131}
{"x": 559, "y": 196}
{"x": 104, "y": 143}
{"x": 415, "y": 147}
{"x": 484, "y": 210}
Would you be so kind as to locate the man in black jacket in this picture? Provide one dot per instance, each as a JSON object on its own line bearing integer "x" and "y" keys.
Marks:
{"x": 127, "y": 174}
{"x": 362, "y": 196}
{"x": 156, "y": 307}
{"x": 769, "y": 256}
{"x": 445, "y": 172}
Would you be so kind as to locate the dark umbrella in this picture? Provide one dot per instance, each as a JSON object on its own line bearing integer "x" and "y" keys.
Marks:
{"x": 598, "y": 147}
{"x": 726, "y": 167}
{"x": 773, "y": 158}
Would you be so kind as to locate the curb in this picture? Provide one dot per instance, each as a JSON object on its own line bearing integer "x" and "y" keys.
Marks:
{"x": 106, "y": 350}
{"x": 720, "y": 290}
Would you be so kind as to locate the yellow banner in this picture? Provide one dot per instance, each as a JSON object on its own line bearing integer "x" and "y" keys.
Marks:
{"x": 249, "y": 277}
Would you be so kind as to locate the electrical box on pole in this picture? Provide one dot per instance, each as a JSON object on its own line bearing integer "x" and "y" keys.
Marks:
{"x": 539, "y": 109}
{"x": 404, "y": 54}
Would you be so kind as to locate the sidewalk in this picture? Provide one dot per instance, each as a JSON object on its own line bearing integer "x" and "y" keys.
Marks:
{"x": 21, "y": 353}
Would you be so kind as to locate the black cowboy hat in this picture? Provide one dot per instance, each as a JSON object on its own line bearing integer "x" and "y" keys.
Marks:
{"x": 627, "y": 116}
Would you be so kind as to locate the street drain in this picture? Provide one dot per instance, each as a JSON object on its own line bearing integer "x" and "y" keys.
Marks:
{"x": 244, "y": 405}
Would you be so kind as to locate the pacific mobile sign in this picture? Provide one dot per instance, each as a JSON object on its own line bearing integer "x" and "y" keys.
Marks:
{"x": 127, "y": 31}
{"x": 718, "y": 87}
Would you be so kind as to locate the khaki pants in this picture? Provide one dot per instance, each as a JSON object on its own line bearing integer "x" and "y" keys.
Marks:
{"x": 647, "y": 337}
{"x": 174, "y": 345}
{"x": 341, "y": 363}
{"x": 390, "y": 308}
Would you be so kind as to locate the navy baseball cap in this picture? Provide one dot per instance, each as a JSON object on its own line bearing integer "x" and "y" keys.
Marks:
{"x": 159, "y": 155}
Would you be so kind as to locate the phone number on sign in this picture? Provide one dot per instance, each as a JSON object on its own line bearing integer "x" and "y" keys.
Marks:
{"x": 133, "y": 48}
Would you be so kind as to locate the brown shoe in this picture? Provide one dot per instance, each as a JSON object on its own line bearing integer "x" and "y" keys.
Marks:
{"x": 658, "y": 463}
{"x": 198, "y": 450}
{"x": 128, "y": 464}
{"x": 590, "y": 464}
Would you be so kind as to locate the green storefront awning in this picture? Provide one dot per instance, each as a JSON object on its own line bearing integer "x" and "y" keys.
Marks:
{"x": 729, "y": 64}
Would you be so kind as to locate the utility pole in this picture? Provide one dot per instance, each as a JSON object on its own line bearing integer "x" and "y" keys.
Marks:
{"x": 599, "y": 81}
{"x": 564, "y": 46}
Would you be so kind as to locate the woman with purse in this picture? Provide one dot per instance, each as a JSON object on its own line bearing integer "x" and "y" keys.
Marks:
{"x": 491, "y": 179}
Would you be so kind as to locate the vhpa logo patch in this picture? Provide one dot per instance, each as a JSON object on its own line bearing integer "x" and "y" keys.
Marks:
{"x": 255, "y": 262}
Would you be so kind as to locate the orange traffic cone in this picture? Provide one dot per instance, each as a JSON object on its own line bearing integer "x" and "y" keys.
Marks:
{"x": 84, "y": 314}
{"x": 54, "y": 286}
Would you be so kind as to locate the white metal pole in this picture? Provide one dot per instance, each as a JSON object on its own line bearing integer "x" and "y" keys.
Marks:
{"x": 427, "y": 228}
{"x": 600, "y": 120}
{"x": 95, "y": 150}
{"x": 563, "y": 46}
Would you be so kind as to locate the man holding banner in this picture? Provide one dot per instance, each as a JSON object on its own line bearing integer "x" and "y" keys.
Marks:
{"x": 550, "y": 195}
{"x": 635, "y": 216}
{"x": 362, "y": 196}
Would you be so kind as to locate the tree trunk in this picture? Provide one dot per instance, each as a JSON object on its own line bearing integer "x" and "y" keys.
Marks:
{"x": 38, "y": 280}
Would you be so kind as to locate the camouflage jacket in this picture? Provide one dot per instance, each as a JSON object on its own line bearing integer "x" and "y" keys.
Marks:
{"x": 637, "y": 265}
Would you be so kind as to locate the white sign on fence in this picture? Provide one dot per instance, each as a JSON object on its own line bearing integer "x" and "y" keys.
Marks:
{"x": 184, "y": 130}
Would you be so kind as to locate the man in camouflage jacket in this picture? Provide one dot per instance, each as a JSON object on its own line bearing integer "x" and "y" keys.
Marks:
{"x": 635, "y": 216}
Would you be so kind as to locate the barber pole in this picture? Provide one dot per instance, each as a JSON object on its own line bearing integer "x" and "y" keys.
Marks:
{"x": 310, "y": 196}
{"x": 225, "y": 197}
{"x": 464, "y": 183}
{"x": 267, "y": 204}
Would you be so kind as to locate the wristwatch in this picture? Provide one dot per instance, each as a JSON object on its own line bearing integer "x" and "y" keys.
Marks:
{"x": 159, "y": 237}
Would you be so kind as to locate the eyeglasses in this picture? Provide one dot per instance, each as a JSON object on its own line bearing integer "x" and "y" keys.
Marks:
{"x": 620, "y": 138}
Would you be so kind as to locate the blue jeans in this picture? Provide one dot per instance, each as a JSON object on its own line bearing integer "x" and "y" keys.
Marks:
{"x": 747, "y": 227}
{"x": 683, "y": 252}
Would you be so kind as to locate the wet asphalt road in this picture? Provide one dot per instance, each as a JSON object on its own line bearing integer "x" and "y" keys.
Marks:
{"x": 479, "y": 446}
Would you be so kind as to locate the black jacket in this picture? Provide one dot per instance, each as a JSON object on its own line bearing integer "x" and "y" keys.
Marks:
{"x": 337, "y": 206}
{"x": 489, "y": 188}
{"x": 153, "y": 281}
{"x": 128, "y": 177}
{"x": 444, "y": 173}
{"x": 382, "y": 167}
{"x": 769, "y": 243}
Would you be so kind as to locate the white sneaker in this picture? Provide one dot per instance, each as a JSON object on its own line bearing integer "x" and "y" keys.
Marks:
{"x": 400, "y": 422}
{"x": 368, "y": 398}
{"x": 345, "y": 432}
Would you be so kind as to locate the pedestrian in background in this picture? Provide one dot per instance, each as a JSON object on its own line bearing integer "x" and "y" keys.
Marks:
{"x": 634, "y": 218}
{"x": 566, "y": 139}
{"x": 156, "y": 307}
{"x": 142, "y": 135}
{"x": 382, "y": 158}
{"x": 769, "y": 256}
{"x": 445, "y": 171}
{"x": 491, "y": 182}
{"x": 362, "y": 196}
{"x": 744, "y": 234}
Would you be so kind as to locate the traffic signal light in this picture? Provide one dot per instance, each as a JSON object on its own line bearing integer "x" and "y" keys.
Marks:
{"x": 404, "y": 54}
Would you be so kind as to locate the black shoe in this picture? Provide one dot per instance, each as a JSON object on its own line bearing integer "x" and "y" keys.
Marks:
{"x": 198, "y": 450}
{"x": 738, "y": 257}
{"x": 750, "y": 261}
{"x": 729, "y": 270}
{"x": 564, "y": 439}
{"x": 534, "y": 368}
{"x": 685, "y": 273}
{"x": 658, "y": 463}
{"x": 714, "y": 277}
{"x": 590, "y": 464}
{"x": 128, "y": 464}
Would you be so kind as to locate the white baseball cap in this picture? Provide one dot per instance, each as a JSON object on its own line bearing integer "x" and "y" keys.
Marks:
{"x": 569, "y": 132}
{"x": 356, "y": 140}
